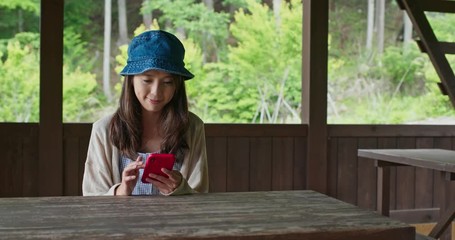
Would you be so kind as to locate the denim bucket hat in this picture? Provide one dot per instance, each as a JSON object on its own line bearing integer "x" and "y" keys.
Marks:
{"x": 156, "y": 50}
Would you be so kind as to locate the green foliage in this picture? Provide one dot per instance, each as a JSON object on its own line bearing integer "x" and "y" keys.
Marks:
{"x": 243, "y": 57}
{"x": 76, "y": 52}
{"x": 18, "y": 16}
{"x": 19, "y": 78}
{"x": 237, "y": 3}
{"x": 79, "y": 17}
{"x": 443, "y": 26}
{"x": 206, "y": 27}
{"x": 27, "y": 5}
{"x": 403, "y": 67}
{"x": 268, "y": 54}
{"x": 79, "y": 99}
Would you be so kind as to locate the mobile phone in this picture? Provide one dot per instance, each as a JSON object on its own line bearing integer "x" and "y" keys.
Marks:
{"x": 155, "y": 162}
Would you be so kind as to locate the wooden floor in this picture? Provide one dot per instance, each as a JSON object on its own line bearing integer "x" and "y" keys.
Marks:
{"x": 426, "y": 228}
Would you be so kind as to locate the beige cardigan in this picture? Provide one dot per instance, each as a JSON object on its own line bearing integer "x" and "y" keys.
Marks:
{"x": 102, "y": 174}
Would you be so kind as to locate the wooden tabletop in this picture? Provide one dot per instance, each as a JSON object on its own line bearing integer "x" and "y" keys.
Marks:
{"x": 437, "y": 159}
{"x": 246, "y": 215}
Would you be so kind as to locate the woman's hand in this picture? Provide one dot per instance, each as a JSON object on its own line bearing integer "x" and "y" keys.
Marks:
{"x": 168, "y": 184}
{"x": 129, "y": 177}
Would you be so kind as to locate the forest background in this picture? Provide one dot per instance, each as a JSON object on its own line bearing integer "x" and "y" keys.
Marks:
{"x": 246, "y": 55}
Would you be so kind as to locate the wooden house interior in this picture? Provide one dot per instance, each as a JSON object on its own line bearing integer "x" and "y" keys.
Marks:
{"x": 47, "y": 158}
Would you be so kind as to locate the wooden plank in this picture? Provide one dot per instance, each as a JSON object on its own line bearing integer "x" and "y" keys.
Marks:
{"x": 18, "y": 129}
{"x": 405, "y": 179}
{"x": 83, "y": 148}
{"x": 447, "y": 217}
{"x": 314, "y": 78}
{"x": 424, "y": 179}
{"x": 389, "y": 142}
{"x": 434, "y": 158}
{"x": 347, "y": 170}
{"x": 300, "y": 162}
{"x": 217, "y": 163}
{"x": 11, "y": 172}
{"x": 423, "y": 237}
{"x": 303, "y": 215}
{"x": 446, "y": 47}
{"x": 30, "y": 164}
{"x": 444, "y": 6}
{"x": 238, "y": 164}
{"x": 282, "y": 163}
{"x": 391, "y": 130}
{"x": 80, "y": 130}
{"x": 332, "y": 167}
{"x": 437, "y": 159}
{"x": 255, "y": 130}
{"x": 447, "y": 213}
{"x": 438, "y": 177}
{"x": 261, "y": 164}
{"x": 414, "y": 216}
{"x": 71, "y": 166}
{"x": 366, "y": 177}
{"x": 51, "y": 100}
{"x": 383, "y": 195}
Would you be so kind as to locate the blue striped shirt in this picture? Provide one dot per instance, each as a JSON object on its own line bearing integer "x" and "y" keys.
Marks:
{"x": 144, "y": 188}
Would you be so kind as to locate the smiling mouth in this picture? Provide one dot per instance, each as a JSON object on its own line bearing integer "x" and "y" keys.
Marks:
{"x": 154, "y": 101}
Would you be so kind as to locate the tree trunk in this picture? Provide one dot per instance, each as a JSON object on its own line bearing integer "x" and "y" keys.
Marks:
{"x": 380, "y": 25}
{"x": 206, "y": 38}
{"x": 209, "y": 4}
{"x": 407, "y": 32}
{"x": 20, "y": 21}
{"x": 122, "y": 25}
{"x": 147, "y": 17}
{"x": 370, "y": 25}
{"x": 276, "y": 13}
{"x": 107, "y": 48}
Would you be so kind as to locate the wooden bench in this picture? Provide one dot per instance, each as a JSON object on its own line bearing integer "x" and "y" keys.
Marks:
{"x": 435, "y": 159}
{"x": 290, "y": 215}
{"x": 423, "y": 237}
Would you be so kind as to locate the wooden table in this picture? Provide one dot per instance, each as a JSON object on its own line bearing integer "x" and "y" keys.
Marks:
{"x": 435, "y": 159}
{"x": 247, "y": 215}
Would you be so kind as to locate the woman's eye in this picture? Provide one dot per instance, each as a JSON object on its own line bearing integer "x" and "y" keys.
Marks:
{"x": 167, "y": 82}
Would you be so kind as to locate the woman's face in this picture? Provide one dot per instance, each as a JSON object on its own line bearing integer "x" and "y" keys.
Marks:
{"x": 154, "y": 89}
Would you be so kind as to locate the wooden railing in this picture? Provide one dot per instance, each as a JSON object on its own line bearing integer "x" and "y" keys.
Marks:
{"x": 257, "y": 158}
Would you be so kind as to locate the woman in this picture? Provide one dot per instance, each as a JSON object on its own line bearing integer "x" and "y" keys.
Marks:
{"x": 152, "y": 117}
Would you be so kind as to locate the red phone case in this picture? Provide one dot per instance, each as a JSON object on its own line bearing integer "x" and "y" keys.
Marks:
{"x": 155, "y": 162}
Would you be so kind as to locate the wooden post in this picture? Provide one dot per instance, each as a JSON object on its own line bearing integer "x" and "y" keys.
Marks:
{"x": 314, "y": 90}
{"x": 50, "y": 170}
{"x": 383, "y": 195}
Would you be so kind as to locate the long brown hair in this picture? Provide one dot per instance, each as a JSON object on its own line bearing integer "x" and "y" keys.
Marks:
{"x": 126, "y": 124}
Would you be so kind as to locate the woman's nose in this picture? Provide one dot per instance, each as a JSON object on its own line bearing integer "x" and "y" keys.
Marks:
{"x": 155, "y": 88}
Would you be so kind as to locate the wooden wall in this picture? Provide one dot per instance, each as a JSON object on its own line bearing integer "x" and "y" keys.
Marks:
{"x": 241, "y": 158}
{"x": 353, "y": 179}
{"x": 254, "y": 158}
{"x": 18, "y": 160}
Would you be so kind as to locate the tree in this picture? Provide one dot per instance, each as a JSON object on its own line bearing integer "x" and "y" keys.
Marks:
{"x": 18, "y": 16}
{"x": 146, "y": 15}
{"x": 370, "y": 25}
{"x": 194, "y": 20}
{"x": 122, "y": 26}
{"x": 26, "y": 5}
{"x": 267, "y": 61}
{"x": 107, "y": 49}
{"x": 380, "y": 24}
{"x": 407, "y": 31}
{"x": 19, "y": 78}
